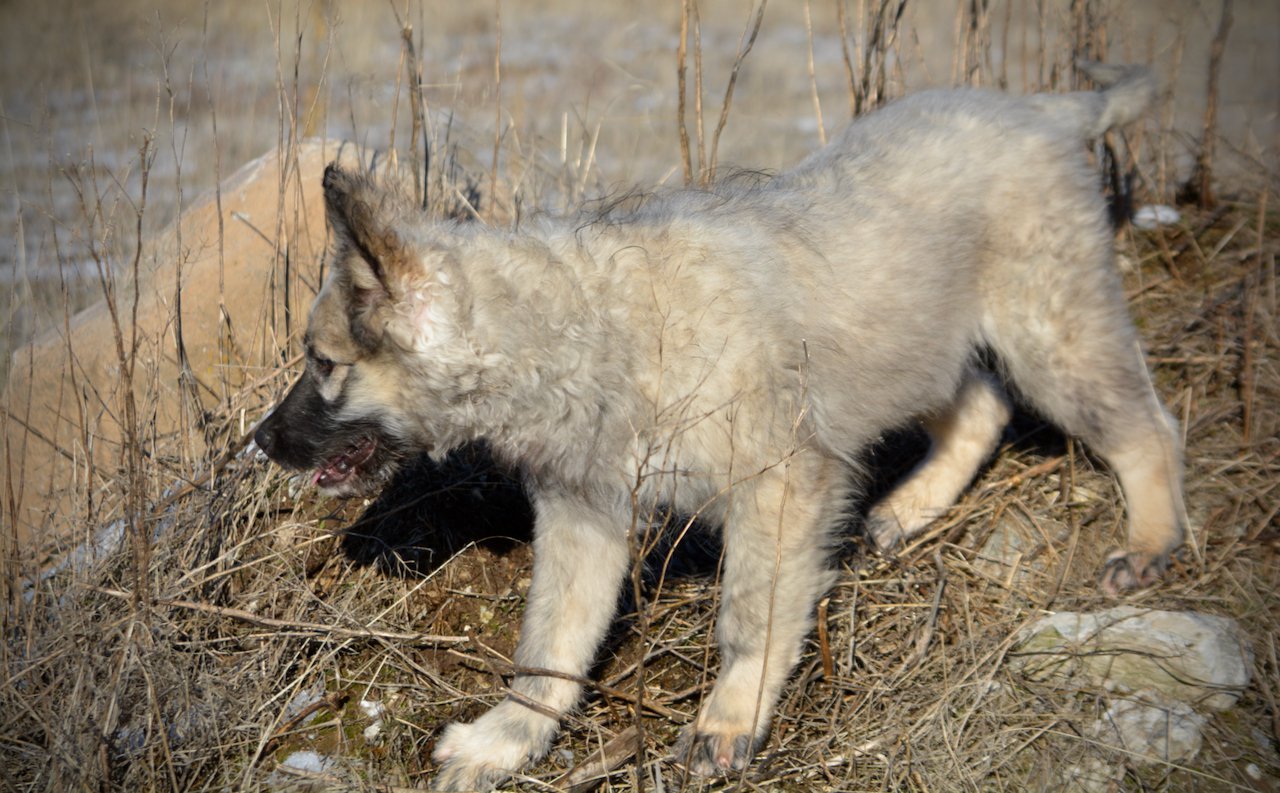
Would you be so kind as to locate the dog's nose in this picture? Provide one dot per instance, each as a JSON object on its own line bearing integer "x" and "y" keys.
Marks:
{"x": 266, "y": 439}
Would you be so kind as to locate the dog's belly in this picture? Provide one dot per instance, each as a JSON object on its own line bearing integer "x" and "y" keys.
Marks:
{"x": 857, "y": 391}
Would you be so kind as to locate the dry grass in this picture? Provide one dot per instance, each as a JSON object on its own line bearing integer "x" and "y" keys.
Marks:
{"x": 178, "y": 662}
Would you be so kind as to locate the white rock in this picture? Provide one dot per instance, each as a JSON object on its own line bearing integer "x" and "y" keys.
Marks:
{"x": 1200, "y": 659}
{"x": 1092, "y": 775}
{"x": 300, "y": 771}
{"x": 1156, "y": 731}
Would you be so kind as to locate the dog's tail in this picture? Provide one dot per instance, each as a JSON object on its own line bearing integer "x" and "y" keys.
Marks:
{"x": 1127, "y": 91}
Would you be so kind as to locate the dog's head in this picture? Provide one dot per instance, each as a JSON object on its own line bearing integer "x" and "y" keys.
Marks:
{"x": 378, "y": 345}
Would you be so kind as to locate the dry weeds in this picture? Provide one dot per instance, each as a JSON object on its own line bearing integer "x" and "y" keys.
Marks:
{"x": 248, "y": 621}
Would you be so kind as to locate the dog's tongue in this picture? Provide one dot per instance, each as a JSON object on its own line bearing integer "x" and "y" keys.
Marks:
{"x": 341, "y": 468}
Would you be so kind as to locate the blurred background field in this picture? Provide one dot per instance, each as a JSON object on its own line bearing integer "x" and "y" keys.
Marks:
{"x": 218, "y": 619}
{"x": 218, "y": 84}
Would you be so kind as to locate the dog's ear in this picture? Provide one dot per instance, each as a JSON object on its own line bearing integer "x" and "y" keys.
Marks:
{"x": 363, "y": 216}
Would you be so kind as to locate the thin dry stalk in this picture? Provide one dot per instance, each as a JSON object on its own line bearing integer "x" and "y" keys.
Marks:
{"x": 881, "y": 38}
{"x": 226, "y": 338}
{"x": 686, "y": 157}
{"x": 813, "y": 77}
{"x": 420, "y": 168}
{"x": 1042, "y": 74}
{"x": 691, "y": 24}
{"x": 973, "y": 50}
{"x": 744, "y": 48}
{"x": 698, "y": 119}
{"x": 417, "y": 107}
{"x": 497, "y": 107}
{"x": 188, "y": 386}
{"x": 843, "y": 23}
{"x": 1249, "y": 342}
{"x": 393, "y": 152}
{"x": 131, "y": 454}
{"x": 959, "y": 50}
{"x": 286, "y": 150}
{"x": 1164, "y": 147}
{"x": 1002, "y": 80}
{"x": 1199, "y": 188}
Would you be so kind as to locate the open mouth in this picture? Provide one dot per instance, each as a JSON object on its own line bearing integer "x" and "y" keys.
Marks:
{"x": 341, "y": 468}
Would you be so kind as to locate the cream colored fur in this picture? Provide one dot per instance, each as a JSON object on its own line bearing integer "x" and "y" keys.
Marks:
{"x": 731, "y": 353}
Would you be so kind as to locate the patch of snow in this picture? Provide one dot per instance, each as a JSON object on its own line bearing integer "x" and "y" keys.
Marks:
{"x": 373, "y": 708}
{"x": 1155, "y": 215}
{"x": 307, "y": 760}
{"x": 304, "y": 699}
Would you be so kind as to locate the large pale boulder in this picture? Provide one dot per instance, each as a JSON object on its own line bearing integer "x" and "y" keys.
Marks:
{"x": 1160, "y": 671}
{"x": 1200, "y": 659}
{"x": 248, "y": 266}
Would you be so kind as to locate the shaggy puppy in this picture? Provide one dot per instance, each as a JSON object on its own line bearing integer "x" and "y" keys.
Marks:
{"x": 730, "y": 353}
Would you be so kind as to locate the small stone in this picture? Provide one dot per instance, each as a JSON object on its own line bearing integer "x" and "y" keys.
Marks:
{"x": 1092, "y": 775}
{"x": 1155, "y": 730}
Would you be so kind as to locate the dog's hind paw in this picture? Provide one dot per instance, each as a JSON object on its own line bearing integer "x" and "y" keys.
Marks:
{"x": 885, "y": 531}
{"x": 709, "y": 754}
{"x": 1125, "y": 570}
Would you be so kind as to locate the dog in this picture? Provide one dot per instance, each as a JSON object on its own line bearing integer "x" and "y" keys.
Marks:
{"x": 731, "y": 353}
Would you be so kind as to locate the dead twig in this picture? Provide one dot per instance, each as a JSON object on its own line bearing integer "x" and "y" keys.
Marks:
{"x": 744, "y": 48}
{"x": 334, "y": 701}
{"x": 588, "y": 775}
{"x": 1199, "y": 188}
{"x": 296, "y": 626}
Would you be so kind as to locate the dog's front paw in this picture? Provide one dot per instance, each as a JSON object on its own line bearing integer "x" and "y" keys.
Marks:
{"x": 455, "y": 776}
{"x": 714, "y": 753}
{"x": 480, "y": 755}
{"x": 1131, "y": 570}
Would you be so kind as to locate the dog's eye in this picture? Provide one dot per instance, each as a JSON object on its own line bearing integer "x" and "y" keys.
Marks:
{"x": 323, "y": 365}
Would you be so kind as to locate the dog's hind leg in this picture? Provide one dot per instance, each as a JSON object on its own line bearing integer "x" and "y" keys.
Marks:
{"x": 580, "y": 556}
{"x": 775, "y": 568}
{"x": 1069, "y": 346}
{"x": 962, "y": 437}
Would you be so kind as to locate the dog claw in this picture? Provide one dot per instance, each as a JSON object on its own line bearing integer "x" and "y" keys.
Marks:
{"x": 885, "y": 532}
{"x": 710, "y": 755}
{"x": 1125, "y": 571}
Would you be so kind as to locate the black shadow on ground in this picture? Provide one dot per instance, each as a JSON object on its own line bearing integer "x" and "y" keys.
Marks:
{"x": 431, "y": 510}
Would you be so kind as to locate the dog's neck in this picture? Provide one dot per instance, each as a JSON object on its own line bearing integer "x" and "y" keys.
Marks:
{"x": 548, "y": 369}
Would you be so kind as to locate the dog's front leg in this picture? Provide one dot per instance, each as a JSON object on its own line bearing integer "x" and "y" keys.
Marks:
{"x": 580, "y": 555}
{"x": 775, "y": 569}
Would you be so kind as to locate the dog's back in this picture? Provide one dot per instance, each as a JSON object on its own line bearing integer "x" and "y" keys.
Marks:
{"x": 891, "y": 253}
